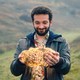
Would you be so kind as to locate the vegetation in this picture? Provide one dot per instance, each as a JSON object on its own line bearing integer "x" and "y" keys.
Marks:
{"x": 5, "y": 61}
{"x": 15, "y": 23}
{"x": 75, "y": 59}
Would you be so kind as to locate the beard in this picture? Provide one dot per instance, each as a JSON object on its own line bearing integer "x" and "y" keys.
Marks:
{"x": 42, "y": 32}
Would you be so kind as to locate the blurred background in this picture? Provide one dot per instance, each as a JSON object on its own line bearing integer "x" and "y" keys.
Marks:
{"x": 15, "y": 23}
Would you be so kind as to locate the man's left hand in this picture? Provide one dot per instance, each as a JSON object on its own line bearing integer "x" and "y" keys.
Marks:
{"x": 52, "y": 58}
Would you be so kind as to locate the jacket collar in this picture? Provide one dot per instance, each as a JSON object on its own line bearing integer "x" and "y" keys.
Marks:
{"x": 52, "y": 37}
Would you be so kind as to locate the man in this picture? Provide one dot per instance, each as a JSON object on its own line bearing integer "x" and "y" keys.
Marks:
{"x": 59, "y": 64}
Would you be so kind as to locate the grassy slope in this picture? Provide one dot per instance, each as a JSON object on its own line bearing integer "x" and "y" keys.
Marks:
{"x": 75, "y": 57}
{"x": 70, "y": 36}
{"x": 5, "y": 61}
{"x": 74, "y": 73}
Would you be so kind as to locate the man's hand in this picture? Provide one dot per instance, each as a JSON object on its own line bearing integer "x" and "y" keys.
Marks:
{"x": 52, "y": 58}
{"x": 22, "y": 58}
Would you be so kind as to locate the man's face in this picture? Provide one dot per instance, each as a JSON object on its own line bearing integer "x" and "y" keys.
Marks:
{"x": 41, "y": 24}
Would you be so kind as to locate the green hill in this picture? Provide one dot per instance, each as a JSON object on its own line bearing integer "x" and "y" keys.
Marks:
{"x": 15, "y": 19}
{"x": 76, "y": 45}
{"x": 75, "y": 60}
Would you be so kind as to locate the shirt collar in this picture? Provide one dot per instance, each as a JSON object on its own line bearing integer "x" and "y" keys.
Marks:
{"x": 39, "y": 43}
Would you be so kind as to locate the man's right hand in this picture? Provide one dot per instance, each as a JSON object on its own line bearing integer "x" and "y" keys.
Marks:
{"x": 22, "y": 58}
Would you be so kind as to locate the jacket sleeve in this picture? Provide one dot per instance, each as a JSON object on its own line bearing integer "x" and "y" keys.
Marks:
{"x": 63, "y": 66}
{"x": 17, "y": 68}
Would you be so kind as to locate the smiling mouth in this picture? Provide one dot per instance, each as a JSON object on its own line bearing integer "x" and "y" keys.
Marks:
{"x": 41, "y": 29}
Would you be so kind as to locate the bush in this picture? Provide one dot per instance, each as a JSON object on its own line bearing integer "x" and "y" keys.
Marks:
{"x": 1, "y": 51}
{"x": 7, "y": 47}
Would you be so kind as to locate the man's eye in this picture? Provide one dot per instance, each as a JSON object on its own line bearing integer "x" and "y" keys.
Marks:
{"x": 37, "y": 23}
{"x": 45, "y": 22}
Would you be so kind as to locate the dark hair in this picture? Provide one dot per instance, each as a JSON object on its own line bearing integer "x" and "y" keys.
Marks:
{"x": 41, "y": 10}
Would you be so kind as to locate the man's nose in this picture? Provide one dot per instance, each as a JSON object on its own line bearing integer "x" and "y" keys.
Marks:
{"x": 41, "y": 26}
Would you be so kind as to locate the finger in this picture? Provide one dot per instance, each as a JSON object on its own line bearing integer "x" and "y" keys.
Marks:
{"x": 50, "y": 60}
{"x": 54, "y": 57}
{"x": 50, "y": 63}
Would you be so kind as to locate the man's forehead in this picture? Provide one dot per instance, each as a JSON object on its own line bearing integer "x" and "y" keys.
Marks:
{"x": 41, "y": 16}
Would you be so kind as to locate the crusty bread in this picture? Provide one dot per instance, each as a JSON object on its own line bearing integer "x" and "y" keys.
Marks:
{"x": 35, "y": 56}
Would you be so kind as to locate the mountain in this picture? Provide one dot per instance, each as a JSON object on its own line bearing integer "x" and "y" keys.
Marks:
{"x": 75, "y": 45}
{"x": 15, "y": 20}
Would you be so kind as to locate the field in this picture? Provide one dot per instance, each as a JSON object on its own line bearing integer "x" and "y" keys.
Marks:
{"x": 5, "y": 60}
{"x": 7, "y": 57}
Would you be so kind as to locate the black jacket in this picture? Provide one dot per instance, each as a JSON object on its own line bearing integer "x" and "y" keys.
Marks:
{"x": 57, "y": 43}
